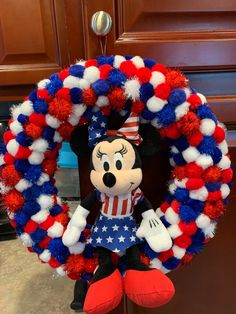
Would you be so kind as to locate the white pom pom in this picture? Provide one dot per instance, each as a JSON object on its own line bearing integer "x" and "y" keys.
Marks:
{"x": 190, "y": 154}
{"x": 138, "y": 62}
{"x": 203, "y": 221}
{"x": 199, "y": 194}
{"x": 40, "y": 217}
{"x": 155, "y": 263}
{"x": 39, "y": 145}
{"x": 16, "y": 127}
{"x": 174, "y": 231}
{"x": 172, "y": 162}
{"x": 43, "y": 178}
{"x": 45, "y": 201}
{"x": 91, "y": 74}
{"x": 174, "y": 149}
{"x": 73, "y": 120}
{"x": 42, "y": 84}
{"x": 57, "y": 137}
{"x": 204, "y": 161}
{"x": 178, "y": 252}
{"x": 132, "y": 89}
{"x": 207, "y": 127}
{"x": 159, "y": 212}
{"x": 60, "y": 270}
{"x": 56, "y": 230}
{"x": 22, "y": 185}
{"x": 157, "y": 78}
{"x": 224, "y": 163}
{"x": 171, "y": 216}
{"x": 181, "y": 110}
{"x": 4, "y": 188}
{"x": 45, "y": 256}
{"x": 77, "y": 248}
{"x": 154, "y": 122}
{"x": 209, "y": 231}
{"x": 223, "y": 146}
{"x": 202, "y": 97}
{"x": 225, "y": 190}
{"x": 52, "y": 121}
{"x": 15, "y": 111}
{"x": 36, "y": 158}
{"x": 187, "y": 91}
{"x": 26, "y": 239}
{"x": 155, "y": 104}
{"x": 102, "y": 101}
{"x": 71, "y": 82}
{"x": 180, "y": 183}
{"x": 2, "y": 162}
{"x": 84, "y": 84}
{"x": 27, "y": 108}
{"x": 12, "y": 147}
{"x": 118, "y": 60}
{"x": 78, "y": 110}
{"x": 172, "y": 187}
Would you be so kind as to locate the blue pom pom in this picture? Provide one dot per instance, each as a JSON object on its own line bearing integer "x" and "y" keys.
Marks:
{"x": 40, "y": 106}
{"x": 48, "y": 133}
{"x": 89, "y": 251}
{"x": 128, "y": 57}
{"x": 207, "y": 145}
{"x": 51, "y": 146}
{"x": 22, "y": 118}
{"x": 21, "y": 218}
{"x": 146, "y": 92}
{"x": 148, "y": 115}
{"x": 171, "y": 263}
{"x": 55, "y": 210}
{"x": 213, "y": 186}
{"x": 32, "y": 192}
{"x": 54, "y": 85}
{"x": 177, "y": 97}
{"x": 19, "y": 230}
{"x": 101, "y": 87}
{"x": 37, "y": 249}
{"x": 197, "y": 243}
{"x": 179, "y": 160}
{"x": 31, "y": 207}
{"x": 169, "y": 198}
{"x": 77, "y": 70}
{"x": 33, "y": 173}
{"x": 21, "y": 165}
{"x": 86, "y": 276}
{"x": 105, "y": 60}
{"x": 38, "y": 235}
{"x": 148, "y": 251}
{"x": 58, "y": 250}
{"x": 187, "y": 214}
{"x": 117, "y": 78}
{"x": 196, "y": 205}
{"x": 166, "y": 116}
{"x": 23, "y": 139}
{"x": 76, "y": 95}
{"x": 33, "y": 96}
{"x": 181, "y": 195}
{"x": 181, "y": 143}
{"x": 205, "y": 112}
{"x": 217, "y": 155}
{"x": 164, "y": 221}
{"x": 149, "y": 63}
{"x": 48, "y": 188}
{"x": 3, "y": 149}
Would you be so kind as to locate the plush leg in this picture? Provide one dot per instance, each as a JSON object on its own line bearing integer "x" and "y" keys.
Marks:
{"x": 145, "y": 286}
{"x": 106, "y": 289}
{"x": 80, "y": 291}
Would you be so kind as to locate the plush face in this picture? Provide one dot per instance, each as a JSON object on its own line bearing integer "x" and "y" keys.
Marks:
{"x": 116, "y": 167}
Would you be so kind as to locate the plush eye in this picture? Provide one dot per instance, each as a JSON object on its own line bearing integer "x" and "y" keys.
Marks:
{"x": 118, "y": 164}
{"x": 118, "y": 161}
{"x": 105, "y": 163}
{"x": 106, "y": 166}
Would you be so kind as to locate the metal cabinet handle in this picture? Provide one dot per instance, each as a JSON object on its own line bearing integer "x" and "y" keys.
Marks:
{"x": 101, "y": 23}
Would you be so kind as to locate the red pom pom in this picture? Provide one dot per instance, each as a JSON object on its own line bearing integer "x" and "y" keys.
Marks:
{"x": 91, "y": 62}
{"x": 65, "y": 208}
{"x": 106, "y": 110}
{"x": 183, "y": 241}
{"x": 117, "y": 98}
{"x": 49, "y": 166}
{"x": 23, "y": 153}
{"x": 219, "y": 134}
{"x": 195, "y": 101}
{"x": 171, "y": 131}
{"x": 90, "y": 265}
{"x": 47, "y": 223}
{"x": 33, "y": 130}
{"x": 160, "y": 68}
{"x": 53, "y": 154}
{"x": 105, "y": 71}
{"x": 43, "y": 94}
{"x": 31, "y": 226}
{"x": 7, "y": 136}
{"x": 144, "y": 75}
{"x": 8, "y": 159}
{"x": 193, "y": 170}
{"x": 195, "y": 139}
{"x": 63, "y": 218}
{"x": 64, "y": 93}
{"x": 162, "y": 91}
{"x": 86, "y": 233}
{"x": 44, "y": 243}
{"x": 214, "y": 196}
{"x": 179, "y": 172}
{"x": 13, "y": 200}
{"x": 227, "y": 175}
{"x": 212, "y": 174}
{"x": 164, "y": 256}
{"x": 176, "y": 79}
{"x": 89, "y": 97}
{"x": 10, "y": 175}
{"x": 75, "y": 264}
{"x": 214, "y": 210}
{"x": 137, "y": 106}
{"x": 175, "y": 206}
{"x": 10, "y": 121}
{"x": 74, "y": 276}
{"x": 60, "y": 108}
{"x": 188, "y": 228}
{"x": 64, "y": 74}
{"x": 189, "y": 124}
{"x": 144, "y": 259}
{"x": 128, "y": 68}
{"x": 54, "y": 263}
{"x": 38, "y": 119}
{"x": 187, "y": 258}
{"x": 194, "y": 183}
{"x": 65, "y": 130}
{"x": 164, "y": 206}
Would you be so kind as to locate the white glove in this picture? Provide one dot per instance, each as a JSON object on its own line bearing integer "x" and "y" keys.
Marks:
{"x": 154, "y": 232}
{"x": 75, "y": 226}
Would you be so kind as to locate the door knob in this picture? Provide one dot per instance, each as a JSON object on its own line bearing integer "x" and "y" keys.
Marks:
{"x": 101, "y": 23}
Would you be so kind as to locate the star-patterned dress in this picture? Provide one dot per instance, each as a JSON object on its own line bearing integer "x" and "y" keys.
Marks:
{"x": 115, "y": 227}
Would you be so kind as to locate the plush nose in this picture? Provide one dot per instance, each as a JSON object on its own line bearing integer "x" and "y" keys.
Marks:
{"x": 109, "y": 179}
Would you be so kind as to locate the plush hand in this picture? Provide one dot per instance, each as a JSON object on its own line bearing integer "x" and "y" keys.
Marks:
{"x": 154, "y": 232}
{"x": 75, "y": 227}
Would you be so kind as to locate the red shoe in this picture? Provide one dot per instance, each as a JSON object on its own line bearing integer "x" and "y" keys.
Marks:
{"x": 104, "y": 295}
{"x": 149, "y": 288}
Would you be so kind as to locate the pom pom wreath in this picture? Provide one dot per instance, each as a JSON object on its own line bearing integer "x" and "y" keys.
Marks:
{"x": 201, "y": 176}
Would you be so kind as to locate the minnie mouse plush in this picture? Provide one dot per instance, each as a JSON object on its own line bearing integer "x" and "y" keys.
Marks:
{"x": 116, "y": 175}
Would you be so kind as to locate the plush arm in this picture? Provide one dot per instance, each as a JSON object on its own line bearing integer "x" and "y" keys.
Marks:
{"x": 78, "y": 220}
{"x": 152, "y": 228}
